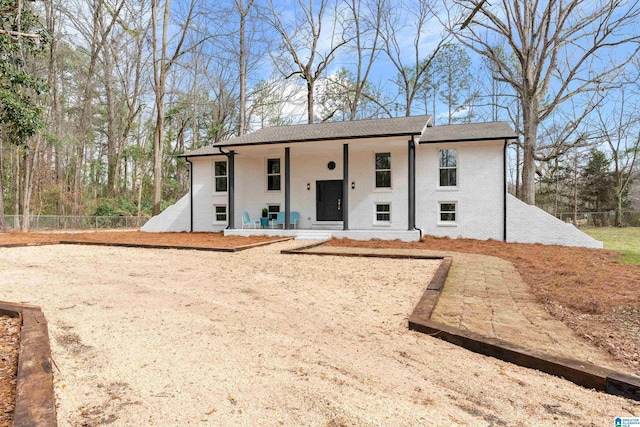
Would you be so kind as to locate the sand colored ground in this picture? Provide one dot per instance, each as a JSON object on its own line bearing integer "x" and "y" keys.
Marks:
{"x": 166, "y": 337}
{"x": 487, "y": 295}
{"x": 215, "y": 240}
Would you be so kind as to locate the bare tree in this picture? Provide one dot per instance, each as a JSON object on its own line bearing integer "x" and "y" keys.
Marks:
{"x": 563, "y": 48}
{"x": 240, "y": 45}
{"x": 452, "y": 71}
{"x": 268, "y": 101}
{"x": 95, "y": 31}
{"x": 366, "y": 19}
{"x": 409, "y": 19}
{"x": 301, "y": 42}
{"x": 122, "y": 60}
{"x": 243, "y": 12}
{"x": 619, "y": 128}
{"x": 162, "y": 63}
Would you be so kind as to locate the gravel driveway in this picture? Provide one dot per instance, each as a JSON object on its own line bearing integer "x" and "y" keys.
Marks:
{"x": 167, "y": 337}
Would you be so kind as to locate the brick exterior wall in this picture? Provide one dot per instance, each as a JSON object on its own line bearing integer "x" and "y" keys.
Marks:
{"x": 529, "y": 224}
{"x": 478, "y": 195}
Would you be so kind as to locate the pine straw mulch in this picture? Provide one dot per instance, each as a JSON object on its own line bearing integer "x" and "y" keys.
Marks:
{"x": 587, "y": 289}
{"x": 9, "y": 346}
{"x": 210, "y": 240}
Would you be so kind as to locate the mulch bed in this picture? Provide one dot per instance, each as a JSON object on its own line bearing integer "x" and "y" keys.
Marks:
{"x": 212, "y": 240}
{"x": 9, "y": 346}
{"x": 590, "y": 291}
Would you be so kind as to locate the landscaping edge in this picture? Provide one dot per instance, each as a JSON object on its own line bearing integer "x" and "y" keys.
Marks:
{"x": 581, "y": 373}
{"x": 193, "y": 248}
{"x": 35, "y": 399}
{"x": 148, "y": 246}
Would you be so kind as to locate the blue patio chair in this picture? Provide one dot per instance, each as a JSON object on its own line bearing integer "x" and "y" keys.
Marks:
{"x": 294, "y": 219}
{"x": 246, "y": 221}
{"x": 279, "y": 219}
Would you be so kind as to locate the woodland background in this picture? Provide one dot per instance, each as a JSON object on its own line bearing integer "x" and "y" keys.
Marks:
{"x": 97, "y": 98}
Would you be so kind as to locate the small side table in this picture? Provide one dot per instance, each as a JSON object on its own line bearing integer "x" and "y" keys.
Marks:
{"x": 264, "y": 222}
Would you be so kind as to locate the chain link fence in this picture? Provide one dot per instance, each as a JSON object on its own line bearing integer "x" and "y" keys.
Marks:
{"x": 602, "y": 219}
{"x": 59, "y": 222}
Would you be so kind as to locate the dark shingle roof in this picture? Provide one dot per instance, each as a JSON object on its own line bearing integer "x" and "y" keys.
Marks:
{"x": 468, "y": 132}
{"x": 398, "y": 126}
{"x": 323, "y": 131}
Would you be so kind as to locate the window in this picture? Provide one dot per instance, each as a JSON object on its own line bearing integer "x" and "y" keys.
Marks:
{"x": 448, "y": 212}
{"x": 383, "y": 170}
{"x": 448, "y": 163}
{"x": 220, "y": 173}
{"x": 273, "y": 211}
{"x": 273, "y": 174}
{"x": 220, "y": 213}
{"x": 383, "y": 212}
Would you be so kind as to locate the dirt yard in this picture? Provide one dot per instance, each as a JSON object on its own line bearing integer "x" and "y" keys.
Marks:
{"x": 167, "y": 337}
{"x": 587, "y": 289}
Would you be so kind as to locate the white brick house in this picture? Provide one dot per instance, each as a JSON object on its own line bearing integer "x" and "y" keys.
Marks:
{"x": 386, "y": 178}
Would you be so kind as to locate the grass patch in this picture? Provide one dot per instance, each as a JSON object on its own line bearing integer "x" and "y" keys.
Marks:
{"x": 625, "y": 240}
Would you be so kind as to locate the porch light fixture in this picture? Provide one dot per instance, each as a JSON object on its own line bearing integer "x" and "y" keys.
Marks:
{"x": 308, "y": 186}
{"x": 353, "y": 185}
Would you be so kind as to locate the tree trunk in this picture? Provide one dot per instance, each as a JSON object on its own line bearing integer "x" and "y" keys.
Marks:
{"x": 517, "y": 192}
{"x": 3, "y": 226}
{"x": 433, "y": 110}
{"x": 140, "y": 192}
{"x": 26, "y": 192}
{"x": 30, "y": 166}
{"x": 161, "y": 66}
{"x": 157, "y": 155}
{"x": 530, "y": 125}
{"x": 16, "y": 200}
{"x": 243, "y": 70}
{"x": 618, "y": 216}
{"x": 112, "y": 138}
{"x": 575, "y": 191}
{"x": 309, "y": 101}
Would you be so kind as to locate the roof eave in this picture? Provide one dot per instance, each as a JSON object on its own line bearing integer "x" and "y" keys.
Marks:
{"x": 200, "y": 155}
{"x": 333, "y": 138}
{"x": 449, "y": 140}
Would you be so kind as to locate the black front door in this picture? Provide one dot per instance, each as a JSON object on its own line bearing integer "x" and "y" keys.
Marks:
{"x": 329, "y": 200}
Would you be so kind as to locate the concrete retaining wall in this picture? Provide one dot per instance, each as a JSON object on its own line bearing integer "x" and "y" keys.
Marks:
{"x": 529, "y": 224}
{"x": 176, "y": 217}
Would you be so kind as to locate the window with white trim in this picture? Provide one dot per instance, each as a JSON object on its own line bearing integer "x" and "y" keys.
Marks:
{"x": 383, "y": 212}
{"x": 448, "y": 168}
{"x": 220, "y": 176}
{"x": 383, "y": 170}
{"x": 448, "y": 212}
{"x": 220, "y": 213}
{"x": 273, "y": 174}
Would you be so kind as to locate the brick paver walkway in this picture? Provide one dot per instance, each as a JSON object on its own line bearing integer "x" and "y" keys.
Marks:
{"x": 487, "y": 295}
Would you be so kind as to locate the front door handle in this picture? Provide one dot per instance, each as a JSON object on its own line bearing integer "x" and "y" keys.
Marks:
{"x": 339, "y": 203}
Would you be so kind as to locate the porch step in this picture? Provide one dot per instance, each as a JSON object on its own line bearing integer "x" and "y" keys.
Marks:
{"x": 327, "y": 226}
{"x": 313, "y": 235}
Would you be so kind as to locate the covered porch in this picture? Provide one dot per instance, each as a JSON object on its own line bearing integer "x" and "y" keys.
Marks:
{"x": 327, "y": 185}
